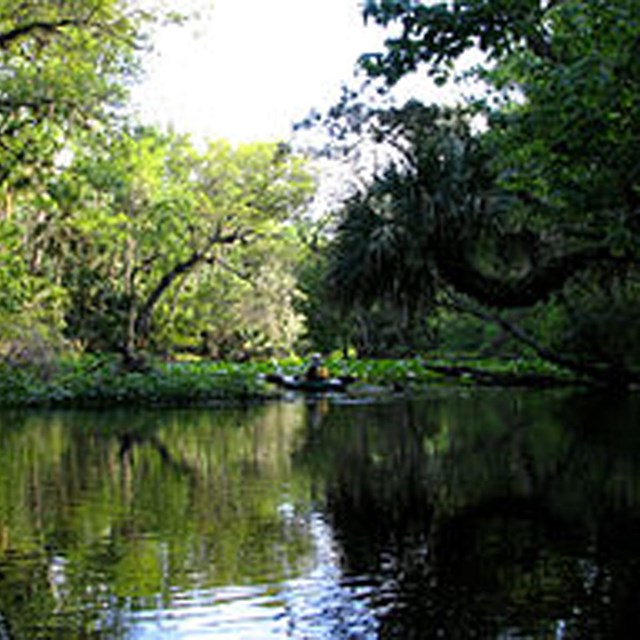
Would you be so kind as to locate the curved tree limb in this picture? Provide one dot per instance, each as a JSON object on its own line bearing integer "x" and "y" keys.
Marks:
{"x": 540, "y": 282}
{"x": 612, "y": 375}
{"x": 142, "y": 322}
{"x": 20, "y": 31}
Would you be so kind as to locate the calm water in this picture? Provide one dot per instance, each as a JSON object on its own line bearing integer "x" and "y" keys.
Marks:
{"x": 459, "y": 515}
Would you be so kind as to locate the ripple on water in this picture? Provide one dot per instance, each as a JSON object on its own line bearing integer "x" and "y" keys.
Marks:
{"x": 313, "y": 607}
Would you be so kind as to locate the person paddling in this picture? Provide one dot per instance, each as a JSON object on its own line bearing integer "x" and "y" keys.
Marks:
{"x": 316, "y": 370}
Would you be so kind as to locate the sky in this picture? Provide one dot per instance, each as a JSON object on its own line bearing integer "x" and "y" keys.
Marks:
{"x": 251, "y": 68}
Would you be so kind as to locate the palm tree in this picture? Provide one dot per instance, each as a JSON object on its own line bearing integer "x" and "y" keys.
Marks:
{"x": 421, "y": 209}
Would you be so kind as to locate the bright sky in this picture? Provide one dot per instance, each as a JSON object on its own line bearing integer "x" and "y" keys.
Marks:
{"x": 254, "y": 66}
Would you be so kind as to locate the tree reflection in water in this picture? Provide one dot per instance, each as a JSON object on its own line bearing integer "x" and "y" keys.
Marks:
{"x": 463, "y": 514}
{"x": 498, "y": 515}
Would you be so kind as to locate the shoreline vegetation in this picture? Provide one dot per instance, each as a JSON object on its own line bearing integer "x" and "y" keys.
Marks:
{"x": 506, "y": 223}
{"x": 102, "y": 381}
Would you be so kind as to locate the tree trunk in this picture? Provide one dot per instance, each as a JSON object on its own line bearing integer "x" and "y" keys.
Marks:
{"x": 142, "y": 325}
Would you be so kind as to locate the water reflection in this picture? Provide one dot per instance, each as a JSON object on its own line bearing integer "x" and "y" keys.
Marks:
{"x": 484, "y": 514}
{"x": 496, "y": 515}
{"x": 318, "y": 604}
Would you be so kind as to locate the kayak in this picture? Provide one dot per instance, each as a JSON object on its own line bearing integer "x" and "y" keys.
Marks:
{"x": 295, "y": 383}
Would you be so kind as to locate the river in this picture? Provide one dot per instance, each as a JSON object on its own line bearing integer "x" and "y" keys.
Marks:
{"x": 459, "y": 514}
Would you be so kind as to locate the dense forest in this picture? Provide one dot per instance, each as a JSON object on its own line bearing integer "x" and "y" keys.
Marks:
{"x": 505, "y": 226}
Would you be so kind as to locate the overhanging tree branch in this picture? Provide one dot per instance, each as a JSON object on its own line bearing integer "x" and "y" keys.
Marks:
{"x": 605, "y": 373}
{"x": 23, "y": 30}
{"x": 142, "y": 323}
{"x": 542, "y": 280}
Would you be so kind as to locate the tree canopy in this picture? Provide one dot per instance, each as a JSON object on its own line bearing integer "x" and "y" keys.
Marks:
{"x": 65, "y": 68}
{"x": 117, "y": 235}
{"x": 563, "y": 79}
{"x": 522, "y": 205}
{"x": 538, "y": 208}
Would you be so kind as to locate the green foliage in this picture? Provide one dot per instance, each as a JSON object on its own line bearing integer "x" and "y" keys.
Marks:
{"x": 603, "y": 326}
{"x": 123, "y": 236}
{"x": 12, "y": 272}
{"x": 375, "y": 252}
{"x": 186, "y": 216}
{"x": 65, "y": 72}
{"x": 100, "y": 381}
{"x": 435, "y": 205}
{"x": 553, "y": 216}
{"x": 31, "y": 307}
{"x": 327, "y": 329}
{"x": 563, "y": 113}
{"x": 245, "y": 306}
{"x": 572, "y": 143}
{"x": 66, "y": 66}
{"x": 153, "y": 242}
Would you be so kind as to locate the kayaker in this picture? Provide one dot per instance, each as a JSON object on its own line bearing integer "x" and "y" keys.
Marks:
{"x": 316, "y": 370}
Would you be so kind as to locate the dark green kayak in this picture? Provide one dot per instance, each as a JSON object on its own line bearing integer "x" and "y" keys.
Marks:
{"x": 294, "y": 383}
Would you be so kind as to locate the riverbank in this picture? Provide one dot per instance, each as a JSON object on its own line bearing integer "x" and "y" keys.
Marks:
{"x": 101, "y": 381}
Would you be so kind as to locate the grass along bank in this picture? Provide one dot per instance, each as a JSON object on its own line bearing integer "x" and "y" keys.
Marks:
{"x": 101, "y": 381}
